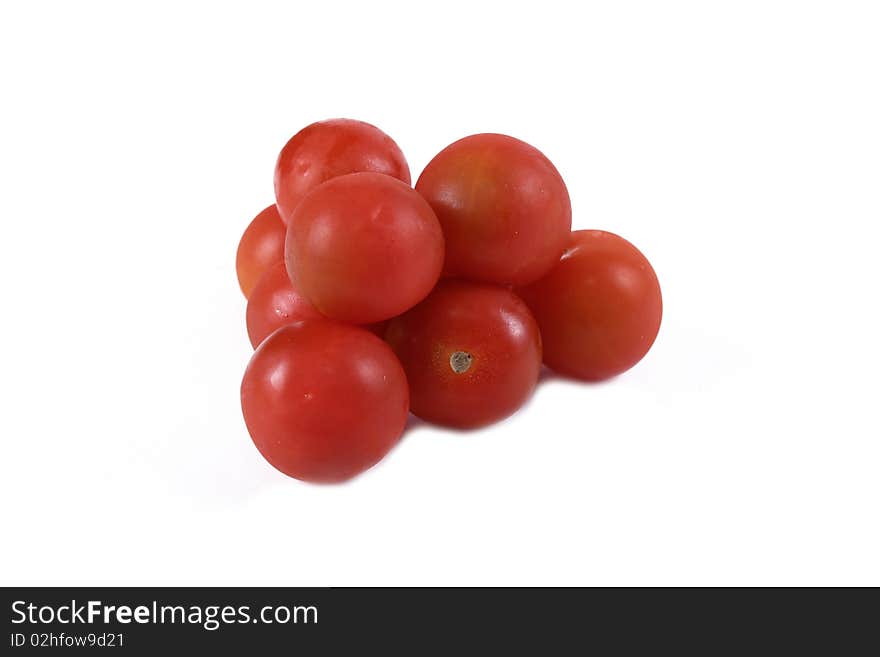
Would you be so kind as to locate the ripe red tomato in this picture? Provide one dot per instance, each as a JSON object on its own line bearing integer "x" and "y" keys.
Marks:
{"x": 599, "y": 309}
{"x": 275, "y": 302}
{"x": 503, "y": 206}
{"x": 471, "y": 351}
{"x": 324, "y": 401}
{"x": 261, "y": 246}
{"x": 331, "y": 148}
{"x": 364, "y": 247}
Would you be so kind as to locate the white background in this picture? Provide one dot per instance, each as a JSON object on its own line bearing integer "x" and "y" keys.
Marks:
{"x": 736, "y": 143}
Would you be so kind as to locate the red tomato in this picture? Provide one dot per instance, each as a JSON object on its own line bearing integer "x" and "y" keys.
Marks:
{"x": 275, "y": 302}
{"x": 324, "y": 401}
{"x": 364, "y": 247}
{"x": 503, "y": 206}
{"x": 471, "y": 351}
{"x": 599, "y": 309}
{"x": 261, "y": 246}
{"x": 333, "y": 148}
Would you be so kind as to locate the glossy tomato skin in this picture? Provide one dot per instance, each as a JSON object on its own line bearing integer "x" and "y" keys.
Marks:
{"x": 275, "y": 302}
{"x": 364, "y": 248}
{"x": 261, "y": 246}
{"x": 471, "y": 352}
{"x": 599, "y": 309}
{"x": 324, "y": 401}
{"x": 332, "y": 148}
{"x": 504, "y": 209}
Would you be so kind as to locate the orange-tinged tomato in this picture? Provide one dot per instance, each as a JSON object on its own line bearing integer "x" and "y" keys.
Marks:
{"x": 599, "y": 308}
{"x": 261, "y": 246}
{"x": 504, "y": 209}
{"x": 364, "y": 247}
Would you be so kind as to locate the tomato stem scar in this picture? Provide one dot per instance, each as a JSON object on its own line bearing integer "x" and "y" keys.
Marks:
{"x": 460, "y": 361}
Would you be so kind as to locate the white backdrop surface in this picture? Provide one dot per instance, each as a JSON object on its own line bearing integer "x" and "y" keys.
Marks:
{"x": 736, "y": 144}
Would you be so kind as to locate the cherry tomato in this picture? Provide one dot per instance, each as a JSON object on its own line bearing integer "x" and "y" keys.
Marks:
{"x": 471, "y": 351}
{"x": 599, "y": 309}
{"x": 331, "y": 148}
{"x": 261, "y": 246}
{"x": 274, "y": 302}
{"x": 364, "y": 247}
{"x": 503, "y": 206}
{"x": 324, "y": 401}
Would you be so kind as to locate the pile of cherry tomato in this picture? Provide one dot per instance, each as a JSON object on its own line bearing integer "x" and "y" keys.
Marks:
{"x": 370, "y": 299}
